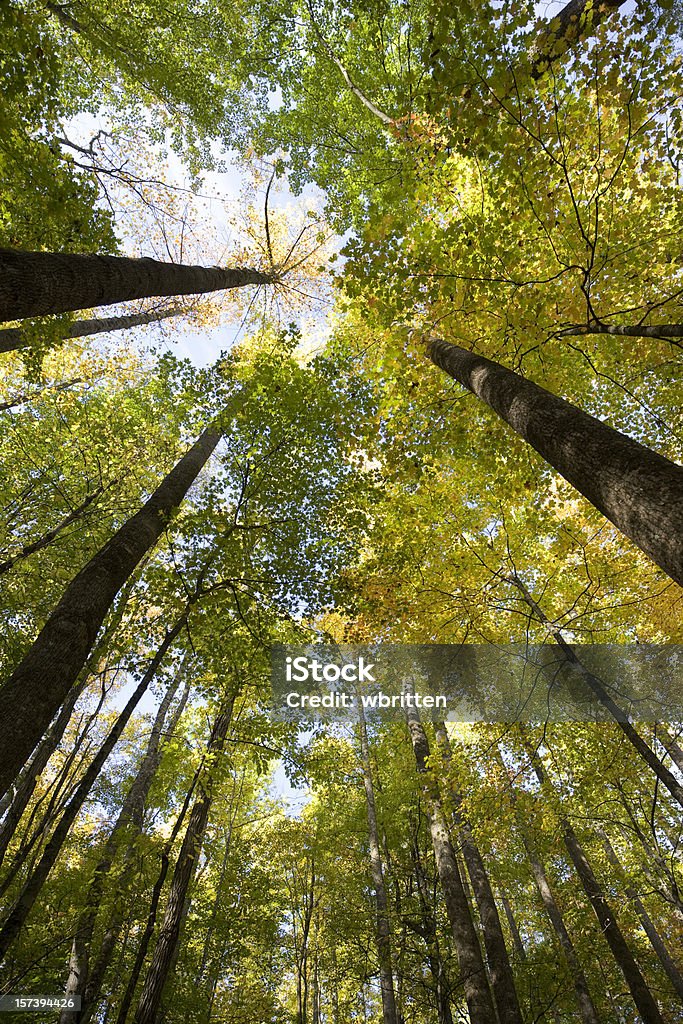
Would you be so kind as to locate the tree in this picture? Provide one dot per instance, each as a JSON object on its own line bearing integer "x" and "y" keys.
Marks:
{"x": 41, "y": 283}
{"x": 40, "y": 683}
{"x": 638, "y": 490}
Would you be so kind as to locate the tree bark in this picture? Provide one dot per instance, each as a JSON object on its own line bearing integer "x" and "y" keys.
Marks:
{"x": 25, "y": 785}
{"x": 383, "y": 929}
{"x": 44, "y": 283}
{"x": 169, "y": 935}
{"x": 29, "y": 893}
{"x": 150, "y": 924}
{"x": 607, "y": 919}
{"x": 584, "y": 999}
{"x": 35, "y": 691}
{"x": 638, "y": 490}
{"x": 500, "y": 971}
{"x": 666, "y": 960}
{"x": 13, "y": 338}
{"x": 567, "y": 27}
{"x": 472, "y": 968}
{"x": 113, "y": 930}
{"x": 130, "y": 816}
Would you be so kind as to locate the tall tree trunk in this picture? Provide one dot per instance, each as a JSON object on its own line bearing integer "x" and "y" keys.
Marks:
{"x": 27, "y": 782}
{"x": 500, "y": 971}
{"x": 595, "y": 685}
{"x": 671, "y": 969}
{"x": 37, "y": 688}
{"x": 382, "y": 925}
{"x": 93, "y": 987}
{"x": 584, "y": 999}
{"x": 130, "y": 817}
{"x": 472, "y": 968}
{"x": 169, "y": 935}
{"x": 12, "y": 338}
{"x": 43, "y": 283}
{"x": 20, "y": 794}
{"x": 638, "y": 490}
{"x": 429, "y": 934}
{"x": 150, "y": 924}
{"x": 31, "y": 889}
{"x": 47, "y": 538}
{"x": 607, "y": 919}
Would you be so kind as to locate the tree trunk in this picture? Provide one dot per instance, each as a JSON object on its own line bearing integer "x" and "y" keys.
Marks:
{"x": 607, "y": 919}
{"x": 567, "y": 27}
{"x": 47, "y": 538}
{"x": 500, "y": 971}
{"x": 44, "y": 283}
{"x": 666, "y": 960}
{"x": 39, "y": 685}
{"x": 93, "y": 987}
{"x": 671, "y": 745}
{"x": 169, "y": 935}
{"x": 429, "y": 934}
{"x": 130, "y": 816}
{"x": 146, "y": 937}
{"x": 29, "y": 893}
{"x": 21, "y": 793}
{"x": 383, "y": 929}
{"x": 587, "y": 1009}
{"x": 638, "y": 490}
{"x": 472, "y": 969}
{"x": 27, "y": 783}
{"x": 14, "y": 337}
{"x": 667, "y": 779}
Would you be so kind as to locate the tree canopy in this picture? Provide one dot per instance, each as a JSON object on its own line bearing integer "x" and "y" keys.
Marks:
{"x": 443, "y": 307}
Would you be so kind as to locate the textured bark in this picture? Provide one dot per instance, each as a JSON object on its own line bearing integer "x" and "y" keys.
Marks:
{"x": 470, "y": 960}
{"x": 383, "y": 929}
{"x": 31, "y": 889}
{"x": 44, "y": 283}
{"x": 638, "y": 490}
{"x": 169, "y": 935}
{"x": 47, "y": 538}
{"x": 607, "y": 919}
{"x": 129, "y": 817}
{"x": 671, "y": 969}
{"x": 39, "y": 685}
{"x": 568, "y": 26}
{"x": 498, "y": 961}
{"x": 27, "y": 783}
{"x": 13, "y": 338}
